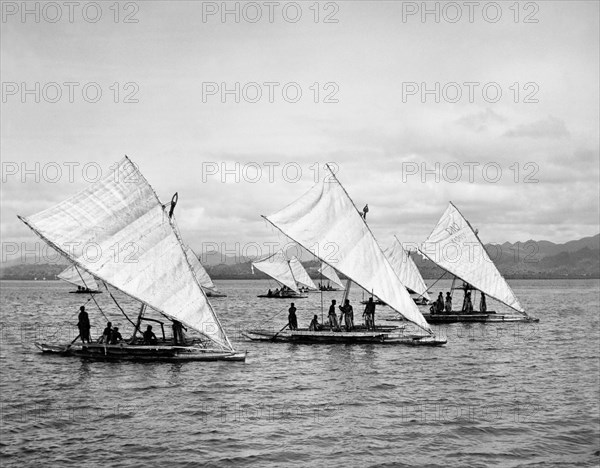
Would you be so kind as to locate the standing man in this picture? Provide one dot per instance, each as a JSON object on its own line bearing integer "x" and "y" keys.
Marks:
{"x": 365, "y": 211}
{"x": 333, "y": 323}
{"x": 369, "y": 314}
{"x": 440, "y": 303}
{"x": 348, "y": 314}
{"x": 448, "y": 304}
{"x": 178, "y": 336}
{"x": 84, "y": 325}
{"x": 292, "y": 319}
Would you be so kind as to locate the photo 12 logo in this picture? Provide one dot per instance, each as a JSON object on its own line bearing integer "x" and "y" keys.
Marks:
{"x": 469, "y": 91}
{"x": 69, "y": 91}
{"x": 471, "y": 12}
{"x": 270, "y": 12}
{"x": 69, "y": 12}
{"x": 269, "y": 171}
{"x": 270, "y": 91}
{"x": 470, "y": 172}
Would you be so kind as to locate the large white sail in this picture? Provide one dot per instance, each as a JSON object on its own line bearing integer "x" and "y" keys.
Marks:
{"x": 118, "y": 231}
{"x": 201, "y": 275}
{"x": 300, "y": 274}
{"x": 278, "y": 267}
{"x": 454, "y": 246}
{"x": 405, "y": 268}
{"x": 326, "y": 215}
{"x": 330, "y": 274}
{"x": 79, "y": 278}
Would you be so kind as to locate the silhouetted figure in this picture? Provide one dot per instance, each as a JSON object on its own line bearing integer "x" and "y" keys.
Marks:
{"x": 369, "y": 314}
{"x": 439, "y": 304}
{"x": 482, "y": 304}
{"x": 84, "y": 325}
{"x": 448, "y": 304}
{"x": 348, "y": 314}
{"x": 333, "y": 322}
{"x": 315, "y": 325}
{"x": 468, "y": 304}
{"x": 292, "y": 319}
{"x": 115, "y": 336}
{"x": 105, "y": 338}
{"x": 149, "y": 336}
{"x": 365, "y": 211}
{"x": 178, "y": 336}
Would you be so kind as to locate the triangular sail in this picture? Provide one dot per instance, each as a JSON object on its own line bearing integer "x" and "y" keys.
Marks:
{"x": 300, "y": 274}
{"x": 201, "y": 275}
{"x": 330, "y": 274}
{"x": 118, "y": 231}
{"x": 326, "y": 215}
{"x": 454, "y": 246}
{"x": 277, "y": 267}
{"x": 80, "y": 278}
{"x": 405, "y": 268}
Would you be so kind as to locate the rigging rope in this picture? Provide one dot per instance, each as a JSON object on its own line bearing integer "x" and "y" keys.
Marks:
{"x": 91, "y": 295}
{"x": 113, "y": 298}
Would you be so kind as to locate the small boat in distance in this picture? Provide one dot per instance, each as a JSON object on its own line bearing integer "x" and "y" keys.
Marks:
{"x": 455, "y": 247}
{"x": 325, "y": 215}
{"x": 86, "y": 284}
{"x": 332, "y": 277}
{"x": 290, "y": 276}
{"x": 139, "y": 253}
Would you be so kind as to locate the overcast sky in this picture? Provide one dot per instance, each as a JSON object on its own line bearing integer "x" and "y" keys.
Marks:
{"x": 528, "y": 169}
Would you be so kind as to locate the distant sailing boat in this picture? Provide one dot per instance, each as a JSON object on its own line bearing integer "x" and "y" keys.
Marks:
{"x": 86, "y": 284}
{"x": 289, "y": 274}
{"x": 407, "y": 271}
{"x": 454, "y": 246}
{"x": 326, "y": 215}
{"x": 140, "y": 253}
{"x": 202, "y": 276}
{"x": 332, "y": 276}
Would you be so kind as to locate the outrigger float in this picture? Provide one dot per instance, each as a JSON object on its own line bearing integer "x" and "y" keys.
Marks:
{"x": 326, "y": 215}
{"x": 455, "y": 247}
{"x": 118, "y": 212}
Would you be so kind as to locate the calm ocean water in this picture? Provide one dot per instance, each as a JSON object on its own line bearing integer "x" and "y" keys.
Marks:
{"x": 495, "y": 395}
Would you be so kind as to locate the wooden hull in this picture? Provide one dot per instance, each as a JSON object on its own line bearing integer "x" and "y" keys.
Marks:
{"x": 154, "y": 353}
{"x": 491, "y": 316}
{"x": 383, "y": 336}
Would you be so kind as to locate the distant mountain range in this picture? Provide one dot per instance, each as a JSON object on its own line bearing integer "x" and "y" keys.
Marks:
{"x": 530, "y": 259}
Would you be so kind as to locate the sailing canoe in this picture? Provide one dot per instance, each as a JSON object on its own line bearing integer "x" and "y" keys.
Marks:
{"x": 140, "y": 253}
{"x": 455, "y": 247}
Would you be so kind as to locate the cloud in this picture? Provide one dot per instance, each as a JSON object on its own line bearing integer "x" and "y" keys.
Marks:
{"x": 481, "y": 121}
{"x": 551, "y": 127}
